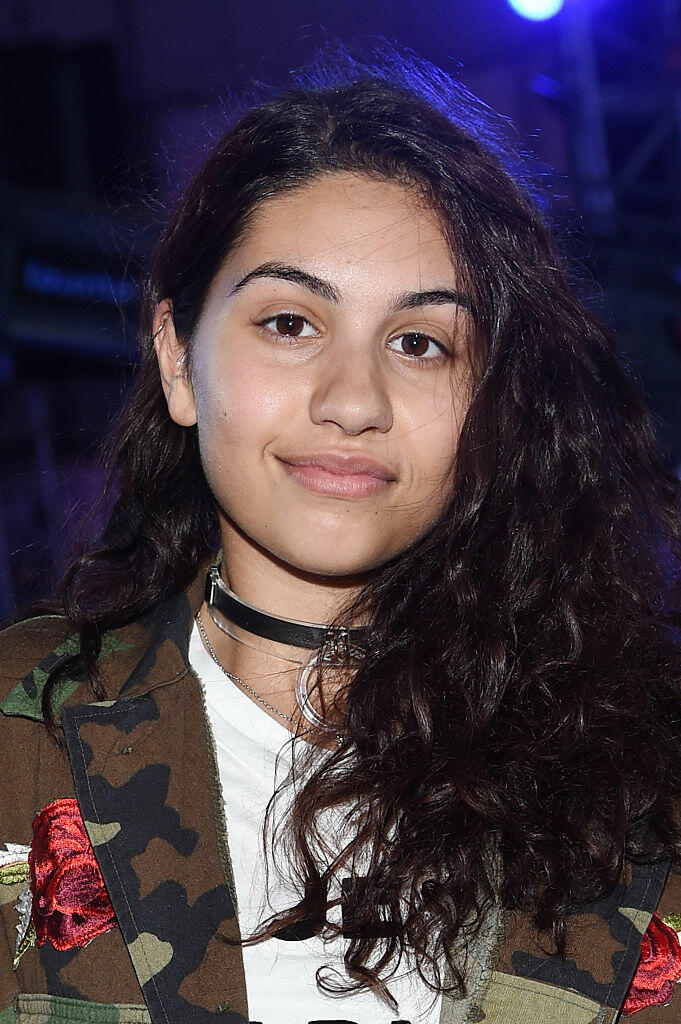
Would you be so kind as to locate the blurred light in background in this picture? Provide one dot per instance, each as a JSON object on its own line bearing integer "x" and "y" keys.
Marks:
{"x": 536, "y": 10}
{"x": 47, "y": 279}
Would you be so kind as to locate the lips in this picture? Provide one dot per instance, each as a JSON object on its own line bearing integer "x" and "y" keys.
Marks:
{"x": 343, "y": 465}
{"x": 344, "y": 475}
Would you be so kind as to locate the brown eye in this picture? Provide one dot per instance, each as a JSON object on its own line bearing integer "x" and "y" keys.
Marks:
{"x": 420, "y": 346}
{"x": 415, "y": 344}
{"x": 289, "y": 323}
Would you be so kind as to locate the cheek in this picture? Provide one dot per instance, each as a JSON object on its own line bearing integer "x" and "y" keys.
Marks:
{"x": 433, "y": 436}
{"x": 240, "y": 408}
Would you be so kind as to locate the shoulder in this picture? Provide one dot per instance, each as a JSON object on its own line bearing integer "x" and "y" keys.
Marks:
{"x": 133, "y": 658}
{"x": 30, "y": 649}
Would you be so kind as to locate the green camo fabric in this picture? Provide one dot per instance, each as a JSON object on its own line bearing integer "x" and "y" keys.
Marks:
{"x": 44, "y": 1009}
{"x": 26, "y": 699}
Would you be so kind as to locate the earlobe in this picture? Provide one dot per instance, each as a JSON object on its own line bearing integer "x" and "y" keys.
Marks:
{"x": 171, "y": 355}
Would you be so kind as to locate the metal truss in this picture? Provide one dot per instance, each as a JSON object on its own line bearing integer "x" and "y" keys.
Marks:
{"x": 622, "y": 86}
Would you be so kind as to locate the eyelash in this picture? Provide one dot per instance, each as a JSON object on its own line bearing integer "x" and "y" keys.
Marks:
{"x": 444, "y": 352}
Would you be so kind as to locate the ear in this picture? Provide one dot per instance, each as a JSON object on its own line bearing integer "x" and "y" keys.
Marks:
{"x": 171, "y": 355}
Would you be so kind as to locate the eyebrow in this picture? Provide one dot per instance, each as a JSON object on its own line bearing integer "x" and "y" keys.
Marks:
{"x": 325, "y": 290}
{"x": 284, "y": 272}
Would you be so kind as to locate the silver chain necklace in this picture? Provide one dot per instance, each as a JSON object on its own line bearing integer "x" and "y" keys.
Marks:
{"x": 237, "y": 679}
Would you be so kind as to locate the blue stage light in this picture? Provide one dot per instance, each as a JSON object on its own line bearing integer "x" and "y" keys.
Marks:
{"x": 536, "y": 10}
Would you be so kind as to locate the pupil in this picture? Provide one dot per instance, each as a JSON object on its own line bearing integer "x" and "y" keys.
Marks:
{"x": 415, "y": 344}
{"x": 289, "y": 324}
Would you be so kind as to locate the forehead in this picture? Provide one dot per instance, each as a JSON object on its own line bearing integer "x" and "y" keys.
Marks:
{"x": 349, "y": 225}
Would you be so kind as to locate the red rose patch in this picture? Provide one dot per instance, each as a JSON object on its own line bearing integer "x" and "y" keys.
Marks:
{"x": 658, "y": 969}
{"x": 70, "y": 902}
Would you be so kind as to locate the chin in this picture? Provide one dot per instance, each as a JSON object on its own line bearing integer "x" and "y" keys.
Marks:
{"x": 339, "y": 563}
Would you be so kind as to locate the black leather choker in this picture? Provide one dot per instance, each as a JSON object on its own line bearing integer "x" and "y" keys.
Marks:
{"x": 282, "y": 631}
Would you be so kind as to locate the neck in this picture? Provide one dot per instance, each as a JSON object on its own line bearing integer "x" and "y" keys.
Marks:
{"x": 285, "y": 593}
{"x": 255, "y": 664}
{"x": 282, "y": 590}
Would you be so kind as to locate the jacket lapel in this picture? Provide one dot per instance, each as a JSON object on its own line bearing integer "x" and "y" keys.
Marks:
{"x": 148, "y": 790}
{"x": 144, "y": 782}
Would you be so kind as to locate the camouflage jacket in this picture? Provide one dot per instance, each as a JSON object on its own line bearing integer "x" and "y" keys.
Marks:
{"x": 141, "y": 767}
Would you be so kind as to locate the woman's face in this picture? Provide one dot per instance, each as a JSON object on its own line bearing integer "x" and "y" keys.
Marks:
{"x": 330, "y": 375}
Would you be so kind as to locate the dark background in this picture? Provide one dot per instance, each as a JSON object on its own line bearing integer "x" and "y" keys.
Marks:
{"x": 107, "y": 105}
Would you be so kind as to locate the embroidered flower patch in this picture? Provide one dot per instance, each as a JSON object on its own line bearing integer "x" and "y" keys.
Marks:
{"x": 70, "y": 902}
{"x": 61, "y": 892}
{"x": 658, "y": 969}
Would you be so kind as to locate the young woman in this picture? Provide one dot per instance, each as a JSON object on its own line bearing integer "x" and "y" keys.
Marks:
{"x": 407, "y": 748}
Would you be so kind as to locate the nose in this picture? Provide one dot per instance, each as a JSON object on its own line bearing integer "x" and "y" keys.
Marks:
{"x": 350, "y": 391}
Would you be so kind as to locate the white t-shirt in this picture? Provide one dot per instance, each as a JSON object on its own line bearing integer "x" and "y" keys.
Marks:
{"x": 254, "y": 751}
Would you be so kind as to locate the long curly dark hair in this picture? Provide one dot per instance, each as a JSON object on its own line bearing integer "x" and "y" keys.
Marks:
{"x": 518, "y": 708}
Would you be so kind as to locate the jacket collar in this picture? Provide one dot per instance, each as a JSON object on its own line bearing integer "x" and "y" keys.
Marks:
{"x": 163, "y": 642}
{"x": 135, "y": 659}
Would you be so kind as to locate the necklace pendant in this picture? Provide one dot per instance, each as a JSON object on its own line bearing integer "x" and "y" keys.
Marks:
{"x": 337, "y": 644}
{"x": 336, "y": 652}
